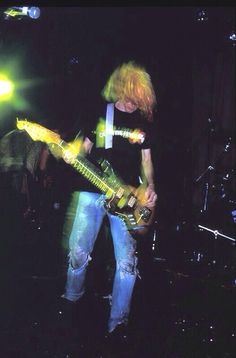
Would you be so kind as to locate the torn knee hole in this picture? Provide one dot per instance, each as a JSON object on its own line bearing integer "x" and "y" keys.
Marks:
{"x": 128, "y": 266}
{"x": 79, "y": 258}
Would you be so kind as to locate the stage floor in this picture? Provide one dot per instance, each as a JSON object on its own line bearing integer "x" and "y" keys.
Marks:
{"x": 176, "y": 312}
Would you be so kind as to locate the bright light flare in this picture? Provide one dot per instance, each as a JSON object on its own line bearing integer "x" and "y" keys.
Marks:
{"x": 6, "y": 89}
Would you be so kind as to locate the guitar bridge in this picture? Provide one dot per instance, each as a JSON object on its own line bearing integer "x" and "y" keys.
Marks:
{"x": 132, "y": 220}
{"x": 145, "y": 213}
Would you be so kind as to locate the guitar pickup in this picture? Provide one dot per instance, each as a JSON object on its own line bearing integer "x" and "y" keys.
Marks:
{"x": 120, "y": 193}
{"x": 121, "y": 203}
{"x": 132, "y": 201}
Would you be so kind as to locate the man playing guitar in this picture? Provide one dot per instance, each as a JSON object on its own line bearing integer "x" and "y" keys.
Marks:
{"x": 131, "y": 99}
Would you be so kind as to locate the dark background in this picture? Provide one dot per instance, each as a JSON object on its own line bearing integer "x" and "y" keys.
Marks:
{"x": 63, "y": 59}
{"x": 184, "y": 304}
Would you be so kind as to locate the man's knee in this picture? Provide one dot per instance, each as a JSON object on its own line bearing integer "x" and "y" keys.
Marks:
{"x": 79, "y": 258}
{"x": 128, "y": 266}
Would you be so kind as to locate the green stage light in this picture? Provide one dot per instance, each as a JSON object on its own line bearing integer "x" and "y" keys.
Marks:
{"x": 6, "y": 89}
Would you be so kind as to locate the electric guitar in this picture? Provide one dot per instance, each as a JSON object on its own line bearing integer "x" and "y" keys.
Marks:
{"x": 122, "y": 200}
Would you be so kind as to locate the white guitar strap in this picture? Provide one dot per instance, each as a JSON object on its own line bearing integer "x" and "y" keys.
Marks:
{"x": 109, "y": 126}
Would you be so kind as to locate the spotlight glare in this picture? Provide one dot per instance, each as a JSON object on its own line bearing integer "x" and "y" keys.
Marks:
{"x": 6, "y": 89}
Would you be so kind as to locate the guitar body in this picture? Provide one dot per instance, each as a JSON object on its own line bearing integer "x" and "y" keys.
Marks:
{"x": 122, "y": 200}
{"x": 138, "y": 220}
{"x": 137, "y": 217}
{"x": 127, "y": 202}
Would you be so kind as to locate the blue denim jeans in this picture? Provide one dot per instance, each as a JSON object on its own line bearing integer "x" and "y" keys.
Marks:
{"x": 84, "y": 219}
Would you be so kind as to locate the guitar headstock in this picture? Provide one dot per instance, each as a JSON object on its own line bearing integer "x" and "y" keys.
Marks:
{"x": 38, "y": 132}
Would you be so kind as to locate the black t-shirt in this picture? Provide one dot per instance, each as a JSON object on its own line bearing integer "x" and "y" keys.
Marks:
{"x": 131, "y": 134}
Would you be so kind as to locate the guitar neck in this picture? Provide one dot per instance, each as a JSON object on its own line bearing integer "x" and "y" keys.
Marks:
{"x": 90, "y": 172}
{"x": 97, "y": 177}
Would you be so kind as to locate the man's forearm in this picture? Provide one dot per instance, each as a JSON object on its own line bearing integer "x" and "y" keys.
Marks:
{"x": 147, "y": 168}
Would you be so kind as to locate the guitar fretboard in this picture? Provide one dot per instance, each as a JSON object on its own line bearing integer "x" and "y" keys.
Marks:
{"x": 90, "y": 172}
{"x": 109, "y": 185}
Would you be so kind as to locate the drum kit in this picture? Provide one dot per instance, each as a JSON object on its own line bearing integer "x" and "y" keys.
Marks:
{"x": 214, "y": 224}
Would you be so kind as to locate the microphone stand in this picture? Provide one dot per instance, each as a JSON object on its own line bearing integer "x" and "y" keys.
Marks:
{"x": 216, "y": 233}
{"x": 210, "y": 167}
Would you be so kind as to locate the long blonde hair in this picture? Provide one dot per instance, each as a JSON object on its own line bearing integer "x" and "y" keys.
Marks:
{"x": 130, "y": 82}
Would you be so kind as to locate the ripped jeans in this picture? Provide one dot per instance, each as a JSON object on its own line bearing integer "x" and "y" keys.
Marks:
{"x": 85, "y": 216}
